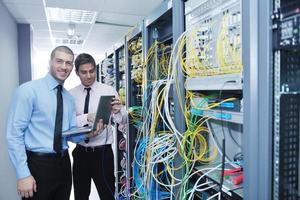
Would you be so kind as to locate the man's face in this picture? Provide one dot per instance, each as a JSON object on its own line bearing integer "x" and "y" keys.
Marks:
{"x": 87, "y": 74}
{"x": 61, "y": 65}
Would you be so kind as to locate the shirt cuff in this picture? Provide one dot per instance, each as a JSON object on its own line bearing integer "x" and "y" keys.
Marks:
{"x": 23, "y": 172}
{"x": 118, "y": 117}
{"x": 81, "y": 120}
{"x": 77, "y": 138}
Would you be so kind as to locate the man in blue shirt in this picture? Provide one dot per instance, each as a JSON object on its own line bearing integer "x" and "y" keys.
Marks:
{"x": 39, "y": 112}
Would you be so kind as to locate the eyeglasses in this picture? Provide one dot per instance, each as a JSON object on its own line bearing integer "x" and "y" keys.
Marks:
{"x": 61, "y": 62}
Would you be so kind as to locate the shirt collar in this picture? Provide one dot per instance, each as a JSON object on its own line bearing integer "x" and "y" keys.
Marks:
{"x": 51, "y": 82}
{"x": 93, "y": 86}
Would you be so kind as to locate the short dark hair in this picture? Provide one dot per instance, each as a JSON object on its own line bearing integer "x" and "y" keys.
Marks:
{"x": 82, "y": 59}
{"x": 63, "y": 49}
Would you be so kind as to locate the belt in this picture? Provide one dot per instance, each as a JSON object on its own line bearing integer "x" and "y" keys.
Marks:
{"x": 93, "y": 148}
{"x": 63, "y": 153}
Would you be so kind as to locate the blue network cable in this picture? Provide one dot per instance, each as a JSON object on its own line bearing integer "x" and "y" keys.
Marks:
{"x": 153, "y": 193}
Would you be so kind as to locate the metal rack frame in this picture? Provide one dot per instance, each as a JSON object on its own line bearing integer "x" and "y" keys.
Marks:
{"x": 257, "y": 135}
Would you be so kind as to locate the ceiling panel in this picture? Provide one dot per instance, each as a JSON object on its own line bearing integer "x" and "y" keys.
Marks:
{"x": 104, "y": 42}
{"x": 138, "y": 7}
{"x": 28, "y": 2}
{"x": 119, "y": 18}
{"x": 41, "y": 34}
{"x": 64, "y": 26}
{"x": 58, "y": 26}
{"x": 105, "y": 32}
{"x": 92, "y": 5}
{"x": 25, "y": 11}
{"x": 99, "y": 38}
{"x": 63, "y": 34}
{"x": 59, "y": 30}
{"x": 39, "y": 25}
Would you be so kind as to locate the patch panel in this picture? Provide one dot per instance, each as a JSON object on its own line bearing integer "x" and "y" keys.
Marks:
{"x": 214, "y": 40}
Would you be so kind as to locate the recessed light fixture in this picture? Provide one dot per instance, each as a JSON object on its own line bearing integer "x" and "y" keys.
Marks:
{"x": 71, "y": 30}
{"x": 70, "y": 15}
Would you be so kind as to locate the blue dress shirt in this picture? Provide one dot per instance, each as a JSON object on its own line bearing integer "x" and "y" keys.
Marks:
{"x": 31, "y": 121}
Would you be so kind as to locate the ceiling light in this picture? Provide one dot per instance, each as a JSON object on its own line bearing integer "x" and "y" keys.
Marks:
{"x": 71, "y": 30}
{"x": 70, "y": 15}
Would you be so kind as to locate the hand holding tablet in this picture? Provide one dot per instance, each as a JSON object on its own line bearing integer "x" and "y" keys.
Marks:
{"x": 104, "y": 110}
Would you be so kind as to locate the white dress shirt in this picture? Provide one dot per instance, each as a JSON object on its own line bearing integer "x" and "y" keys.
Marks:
{"x": 97, "y": 89}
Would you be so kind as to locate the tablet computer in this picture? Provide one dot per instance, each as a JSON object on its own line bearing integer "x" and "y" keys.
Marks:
{"x": 103, "y": 112}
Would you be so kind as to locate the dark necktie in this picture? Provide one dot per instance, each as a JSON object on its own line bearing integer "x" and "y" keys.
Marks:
{"x": 87, "y": 100}
{"x": 57, "y": 144}
{"x": 86, "y": 107}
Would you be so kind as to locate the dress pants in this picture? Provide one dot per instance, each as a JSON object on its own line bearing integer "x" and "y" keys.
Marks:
{"x": 97, "y": 164}
{"x": 52, "y": 175}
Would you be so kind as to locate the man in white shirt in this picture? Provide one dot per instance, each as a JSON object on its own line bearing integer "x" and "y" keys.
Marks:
{"x": 93, "y": 158}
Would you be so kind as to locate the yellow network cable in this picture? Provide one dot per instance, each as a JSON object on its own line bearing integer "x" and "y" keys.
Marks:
{"x": 195, "y": 61}
{"x": 164, "y": 59}
{"x": 122, "y": 95}
{"x": 192, "y": 145}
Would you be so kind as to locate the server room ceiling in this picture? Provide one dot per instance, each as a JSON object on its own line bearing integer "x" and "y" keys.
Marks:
{"x": 114, "y": 19}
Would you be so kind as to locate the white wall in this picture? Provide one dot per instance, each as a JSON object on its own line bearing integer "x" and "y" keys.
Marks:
{"x": 9, "y": 80}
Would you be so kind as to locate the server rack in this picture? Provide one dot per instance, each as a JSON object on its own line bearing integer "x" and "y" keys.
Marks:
{"x": 120, "y": 73}
{"x": 257, "y": 93}
{"x": 134, "y": 78}
{"x": 156, "y": 28}
{"x": 120, "y": 136}
{"x": 160, "y": 37}
{"x": 217, "y": 81}
{"x": 286, "y": 122}
{"x": 111, "y": 71}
